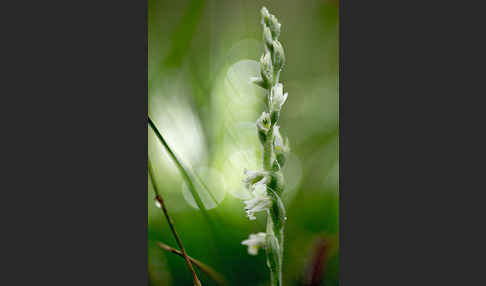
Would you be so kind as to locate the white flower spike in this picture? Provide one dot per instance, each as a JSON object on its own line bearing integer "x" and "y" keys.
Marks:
{"x": 254, "y": 242}
{"x": 267, "y": 185}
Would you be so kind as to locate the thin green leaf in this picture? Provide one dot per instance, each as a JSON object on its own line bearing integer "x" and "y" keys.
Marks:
{"x": 185, "y": 174}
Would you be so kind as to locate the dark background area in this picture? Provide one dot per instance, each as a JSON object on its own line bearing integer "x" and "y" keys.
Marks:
{"x": 74, "y": 198}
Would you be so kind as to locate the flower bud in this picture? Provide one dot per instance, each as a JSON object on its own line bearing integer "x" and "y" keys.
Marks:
{"x": 265, "y": 14}
{"x": 267, "y": 37}
{"x": 274, "y": 26}
{"x": 263, "y": 126}
{"x": 278, "y": 55}
{"x": 266, "y": 69}
{"x": 270, "y": 21}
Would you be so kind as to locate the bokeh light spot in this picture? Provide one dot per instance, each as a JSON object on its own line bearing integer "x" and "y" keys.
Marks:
{"x": 210, "y": 186}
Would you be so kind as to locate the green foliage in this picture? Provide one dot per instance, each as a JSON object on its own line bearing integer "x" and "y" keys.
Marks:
{"x": 196, "y": 86}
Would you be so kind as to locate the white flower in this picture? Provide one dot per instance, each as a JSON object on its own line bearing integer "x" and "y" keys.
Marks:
{"x": 278, "y": 143}
{"x": 263, "y": 123}
{"x": 253, "y": 177}
{"x": 260, "y": 201}
{"x": 254, "y": 242}
{"x": 266, "y": 68}
{"x": 277, "y": 97}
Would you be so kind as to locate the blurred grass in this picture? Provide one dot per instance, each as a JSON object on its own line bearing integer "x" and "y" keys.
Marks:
{"x": 183, "y": 33}
{"x": 184, "y": 173}
{"x": 201, "y": 55}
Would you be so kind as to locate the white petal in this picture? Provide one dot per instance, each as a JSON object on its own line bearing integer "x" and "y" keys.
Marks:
{"x": 252, "y": 250}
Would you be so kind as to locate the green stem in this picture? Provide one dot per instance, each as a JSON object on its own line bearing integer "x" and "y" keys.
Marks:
{"x": 267, "y": 151}
{"x": 274, "y": 260}
{"x": 275, "y": 226}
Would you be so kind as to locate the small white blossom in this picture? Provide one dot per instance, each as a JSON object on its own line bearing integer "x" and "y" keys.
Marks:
{"x": 253, "y": 177}
{"x": 266, "y": 68}
{"x": 254, "y": 242}
{"x": 263, "y": 123}
{"x": 157, "y": 204}
{"x": 260, "y": 201}
{"x": 277, "y": 97}
{"x": 279, "y": 145}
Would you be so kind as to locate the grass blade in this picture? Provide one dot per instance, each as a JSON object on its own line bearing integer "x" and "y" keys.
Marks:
{"x": 183, "y": 171}
{"x": 217, "y": 277}
{"x": 159, "y": 198}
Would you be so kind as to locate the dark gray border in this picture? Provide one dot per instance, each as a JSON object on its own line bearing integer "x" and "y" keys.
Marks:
{"x": 78, "y": 166}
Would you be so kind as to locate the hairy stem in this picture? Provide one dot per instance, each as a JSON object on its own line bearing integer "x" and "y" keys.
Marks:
{"x": 267, "y": 152}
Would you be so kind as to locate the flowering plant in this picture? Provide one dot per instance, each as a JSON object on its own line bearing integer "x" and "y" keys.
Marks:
{"x": 266, "y": 185}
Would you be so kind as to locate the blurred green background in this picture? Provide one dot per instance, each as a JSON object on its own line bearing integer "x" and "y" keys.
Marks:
{"x": 201, "y": 55}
